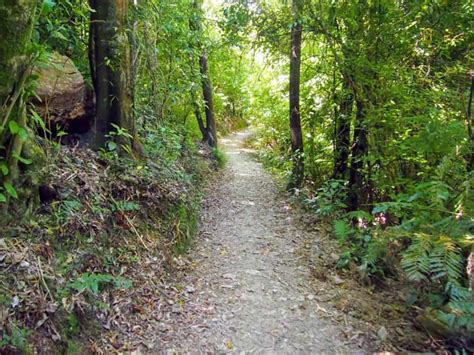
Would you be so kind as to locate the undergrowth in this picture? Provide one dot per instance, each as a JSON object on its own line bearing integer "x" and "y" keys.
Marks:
{"x": 422, "y": 236}
{"x": 105, "y": 226}
{"x": 220, "y": 157}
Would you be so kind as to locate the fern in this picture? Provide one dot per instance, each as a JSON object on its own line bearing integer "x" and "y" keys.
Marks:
{"x": 456, "y": 292}
{"x": 92, "y": 282}
{"x": 437, "y": 259}
{"x": 342, "y": 230}
{"x": 466, "y": 307}
{"x": 375, "y": 249}
{"x": 446, "y": 260}
{"x": 416, "y": 260}
{"x": 360, "y": 215}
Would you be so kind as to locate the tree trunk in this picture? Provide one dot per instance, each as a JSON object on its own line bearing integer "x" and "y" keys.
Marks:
{"x": 470, "y": 158}
{"x": 111, "y": 65}
{"x": 16, "y": 26}
{"x": 197, "y": 113}
{"x": 470, "y": 270}
{"x": 208, "y": 131}
{"x": 357, "y": 194}
{"x": 295, "y": 120}
{"x": 342, "y": 136}
{"x": 209, "y": 134}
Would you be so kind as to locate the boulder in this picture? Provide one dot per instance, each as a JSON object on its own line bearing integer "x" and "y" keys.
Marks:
{"x": 63, "y": 96}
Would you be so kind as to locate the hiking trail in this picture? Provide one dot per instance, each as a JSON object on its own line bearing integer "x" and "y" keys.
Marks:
{"x": 246, "y": 290}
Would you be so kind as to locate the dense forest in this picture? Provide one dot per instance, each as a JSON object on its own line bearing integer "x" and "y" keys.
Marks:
{"x": 112, "y": 114}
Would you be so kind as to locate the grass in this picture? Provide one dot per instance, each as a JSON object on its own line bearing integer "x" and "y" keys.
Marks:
{"x": 221, "y": 158}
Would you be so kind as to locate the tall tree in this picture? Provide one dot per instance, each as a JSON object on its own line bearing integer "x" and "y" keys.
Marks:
{"x": 342, "y": 134}
{"x": 359, "y": 69}
{"x": 111, "y": 68}
{"x": 470, "y": 158}
{"x": 207, "y": 129}
{"x": 209, "y": 132}
{"x": 357, "y": 193}
{"x": 295, "y": 117}
{"x": 16, "y": 27}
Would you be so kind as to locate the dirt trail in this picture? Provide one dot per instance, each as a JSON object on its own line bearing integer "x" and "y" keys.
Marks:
{"x": 246, "y": 291}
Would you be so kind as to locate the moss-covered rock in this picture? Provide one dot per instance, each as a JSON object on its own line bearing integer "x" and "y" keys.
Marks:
{"x": 61, "y": 92}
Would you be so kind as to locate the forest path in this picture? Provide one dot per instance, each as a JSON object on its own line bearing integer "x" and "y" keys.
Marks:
{"x": 246, "y": 291}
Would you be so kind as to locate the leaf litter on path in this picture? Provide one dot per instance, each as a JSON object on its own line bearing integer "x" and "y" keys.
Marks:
{"x": 260, "y": 278}
{"x": 250, "y": 292}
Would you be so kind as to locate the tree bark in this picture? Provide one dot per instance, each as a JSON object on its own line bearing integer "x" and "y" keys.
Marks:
{"x": 16, "y": 26}
{"x": 208, "y": 131}
{"x": 342, "y": 136}
{"x": 295, "y": 119}
{"x": 357, "y": 193}
{"x": 111, "y": 66}
{"x": 470, "y": 158}
{"x": 470, "y": 270}
{"x": 209, "y": 134}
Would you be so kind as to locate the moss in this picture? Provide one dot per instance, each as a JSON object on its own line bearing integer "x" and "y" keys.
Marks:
{"x": 15, "y": 26}
{"x": 184, "y": 221}
{"x": 220, "y": 157}
{"x": 75, "y": 347}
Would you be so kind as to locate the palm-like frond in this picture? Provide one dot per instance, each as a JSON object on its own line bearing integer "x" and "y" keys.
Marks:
{"x": 446, "y": 260}
{"x": 416, "y": 259}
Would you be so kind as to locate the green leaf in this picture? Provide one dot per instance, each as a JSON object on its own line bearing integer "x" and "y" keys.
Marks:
{"x": 122, "y": 283}
{"x": 4, "y": 168}
{"x": 414, "y": 197}
{"x": 48, "y": 6}
{"x": 380, "y": 209}
{"x": 10, "y": 189}
{"x": 3, "y": 198}
{"x": 111, "y": 145}
{"x": 23, "y": 160}
{"x": 59, "y": 35}
{"x": 14, "y": 128}
{"x": 23, "y": 133}
{"x": 126, "y": 206}
{"x": 341, "y": 229}
{"x": 360, "y": 214}
{"x": 37, "y": 119}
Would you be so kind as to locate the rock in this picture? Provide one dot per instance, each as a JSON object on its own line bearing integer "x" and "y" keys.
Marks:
{"x": 334, "y": 257}
{"x": 382, "y": 333}
{"x": 177, "y": 309}
{"x": 64, "y": 99}
{"x": 15, "y": 301}
{"x": 337, "y": 280}
{"x": 24, "y": 264}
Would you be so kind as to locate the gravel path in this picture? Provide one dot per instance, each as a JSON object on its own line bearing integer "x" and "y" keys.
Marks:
{"x": 246, "y": 292}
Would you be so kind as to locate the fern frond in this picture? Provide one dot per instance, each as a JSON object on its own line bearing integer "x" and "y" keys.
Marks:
{"x": 341, "y": 230}
{"x": 416, "y": 259}
{"x": 457, "y": 292}
{"x": 375, "y": 248}
{"x": 446, "y": 260}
